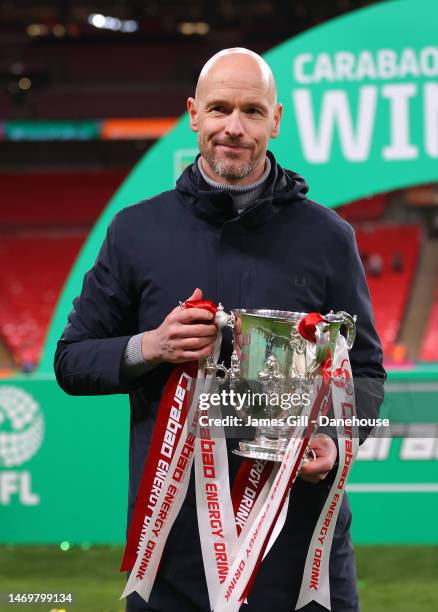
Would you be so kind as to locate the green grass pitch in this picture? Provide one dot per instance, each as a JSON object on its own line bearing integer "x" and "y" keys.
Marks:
{"x": 396, "y": 578}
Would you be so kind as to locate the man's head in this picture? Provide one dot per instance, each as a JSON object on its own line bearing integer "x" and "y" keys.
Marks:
{"x": 235, "y": 112}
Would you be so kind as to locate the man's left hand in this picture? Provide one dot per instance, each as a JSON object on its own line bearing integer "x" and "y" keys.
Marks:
{"x": 326, "y": 455}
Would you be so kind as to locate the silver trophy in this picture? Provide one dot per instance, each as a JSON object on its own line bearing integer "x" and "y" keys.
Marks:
{"x": 272, "y": 360}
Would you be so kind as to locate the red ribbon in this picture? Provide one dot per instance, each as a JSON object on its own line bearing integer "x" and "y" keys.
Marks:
{"x": 307, "y": 326}
{"x": 242, "y": 481}
{"x": 142, "y": 505}
{"x": 153, "y": 458}
{"x": 323, "y": 397}
{"x": 205, "y": 304}
{"x": 322, "y": 405}
{"x": 307, "y": 329}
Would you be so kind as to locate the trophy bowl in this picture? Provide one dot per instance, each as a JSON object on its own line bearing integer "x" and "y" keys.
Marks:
{"x": 272, "y": 361}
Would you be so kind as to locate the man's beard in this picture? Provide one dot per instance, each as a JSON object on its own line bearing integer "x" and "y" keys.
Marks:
{"x": 227, "y": 168}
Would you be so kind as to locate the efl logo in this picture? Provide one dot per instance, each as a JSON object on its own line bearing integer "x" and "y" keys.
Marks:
{"x": 21, "y": 435}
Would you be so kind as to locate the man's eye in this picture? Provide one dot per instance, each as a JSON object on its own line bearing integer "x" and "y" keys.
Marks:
{"x": 253, "y": 111}
{"x": 217, "y": 109}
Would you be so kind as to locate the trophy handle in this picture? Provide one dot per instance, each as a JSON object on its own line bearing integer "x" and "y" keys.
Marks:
{"x": 350, "y": 323}
{"x": 224, "y": 319}
{"x": 232, "y": 374}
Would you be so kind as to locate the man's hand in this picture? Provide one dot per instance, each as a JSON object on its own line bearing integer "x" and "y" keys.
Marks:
{"x": 326, "y": 455}
{"x": 184, "y": 335}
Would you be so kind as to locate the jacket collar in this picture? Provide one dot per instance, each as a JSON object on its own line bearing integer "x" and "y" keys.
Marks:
{"x": 216, "y": 205}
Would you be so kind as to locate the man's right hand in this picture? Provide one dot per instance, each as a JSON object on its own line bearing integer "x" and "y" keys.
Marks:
{"x": 184, "y": 335}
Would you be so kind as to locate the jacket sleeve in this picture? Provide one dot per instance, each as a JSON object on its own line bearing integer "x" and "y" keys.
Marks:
{"x": 347, "y": 290}
{"x": 104, "y": 317}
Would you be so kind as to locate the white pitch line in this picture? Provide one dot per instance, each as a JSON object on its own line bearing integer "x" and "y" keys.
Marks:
{"x": 390, "y": 487}
{"x": 411, "y": 386}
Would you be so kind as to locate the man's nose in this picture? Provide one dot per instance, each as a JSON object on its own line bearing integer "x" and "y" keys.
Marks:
{"x": 234, "y": 125}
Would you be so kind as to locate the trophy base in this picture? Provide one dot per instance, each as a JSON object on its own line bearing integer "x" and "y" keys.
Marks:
{"x": 265, "y": 449}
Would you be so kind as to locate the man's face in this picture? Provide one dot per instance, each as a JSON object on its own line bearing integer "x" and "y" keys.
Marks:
{"x": 235, "y": 114}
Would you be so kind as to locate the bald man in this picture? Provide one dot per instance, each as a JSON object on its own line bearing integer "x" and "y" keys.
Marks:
{"x": 239, "y": 229}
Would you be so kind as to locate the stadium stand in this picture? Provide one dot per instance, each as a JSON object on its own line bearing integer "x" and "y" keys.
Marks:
{"x": 429, "y": 345}
{"x": 396, "y": 247}
{"x": 41, "y": 231}
{"x": 367, "y": 209}
{"x": 37, "y": 266}
{"x": 56, "y": 199}
{"x": 85, "y": 104}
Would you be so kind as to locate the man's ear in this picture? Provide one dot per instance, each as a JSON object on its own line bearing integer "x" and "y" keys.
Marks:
{"x": 193, "y": 113}
{"x": 277, "y": 117}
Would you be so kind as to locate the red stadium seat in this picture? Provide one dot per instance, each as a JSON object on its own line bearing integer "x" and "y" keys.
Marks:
{"x": 390, "y": 289}
{"x": 33, "y": 272}
{"x": 429, "y": 345}
{"x": 43, "y": 223}
{"x": 367, "y": 209}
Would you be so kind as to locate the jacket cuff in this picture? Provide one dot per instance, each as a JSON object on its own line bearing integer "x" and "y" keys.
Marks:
{"x": 133, "y": 363}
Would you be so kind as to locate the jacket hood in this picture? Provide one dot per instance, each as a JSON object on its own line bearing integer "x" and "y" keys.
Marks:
{"x": 282, "y": 188}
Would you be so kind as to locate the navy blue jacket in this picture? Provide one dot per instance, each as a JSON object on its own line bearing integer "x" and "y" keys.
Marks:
{"x": 285, "y": 252}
